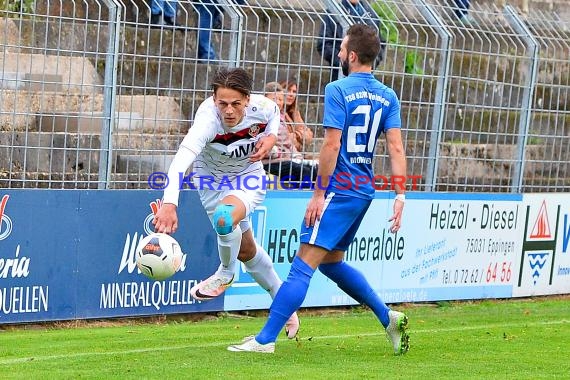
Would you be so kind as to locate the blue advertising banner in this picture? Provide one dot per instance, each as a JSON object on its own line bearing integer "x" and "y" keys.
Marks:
{"x": 70, "y": 254}
{"x": 38, "y": 255}
{"x": 110, "y": 284}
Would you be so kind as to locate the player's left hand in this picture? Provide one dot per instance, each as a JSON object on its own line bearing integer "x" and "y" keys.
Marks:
{"x": 263, "y": 148}
{"x": 396, "y": 219}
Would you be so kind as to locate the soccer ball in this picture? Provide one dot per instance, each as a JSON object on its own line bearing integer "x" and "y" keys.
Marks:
{"x": 158, "y": 256}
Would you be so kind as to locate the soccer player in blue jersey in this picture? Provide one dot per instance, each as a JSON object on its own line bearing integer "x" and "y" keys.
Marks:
{"x": 358, "y": 108}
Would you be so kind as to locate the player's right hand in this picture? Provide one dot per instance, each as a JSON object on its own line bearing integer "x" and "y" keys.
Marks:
{"x": 166, "y": 219}
{"x": 314, "y": 210}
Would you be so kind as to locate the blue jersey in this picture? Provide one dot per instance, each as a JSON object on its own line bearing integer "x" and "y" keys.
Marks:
{"x": 362, "y": 107}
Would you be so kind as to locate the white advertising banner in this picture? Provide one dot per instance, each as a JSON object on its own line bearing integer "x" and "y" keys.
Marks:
{"x": 544, "y": 264}
{"x": 451, "y": 246}
{"x": 457, "y": 246}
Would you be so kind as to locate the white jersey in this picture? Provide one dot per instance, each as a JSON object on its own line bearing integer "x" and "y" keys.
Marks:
{"x": 222, "y": 154}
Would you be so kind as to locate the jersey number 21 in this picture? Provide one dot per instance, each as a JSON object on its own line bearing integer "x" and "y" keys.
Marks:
{"x": 371, "y": 129}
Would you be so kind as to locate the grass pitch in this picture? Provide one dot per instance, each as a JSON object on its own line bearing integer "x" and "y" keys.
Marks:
{"x": 514, "y": 339}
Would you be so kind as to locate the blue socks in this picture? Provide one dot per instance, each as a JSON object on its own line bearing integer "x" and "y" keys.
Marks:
{"x": 288, "y": 299}
{"x": 352, "y": 282}
{"x": 293, "y": 291}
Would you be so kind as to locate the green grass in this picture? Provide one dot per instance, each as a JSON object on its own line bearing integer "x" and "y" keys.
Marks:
{"x": 516, "y": 339}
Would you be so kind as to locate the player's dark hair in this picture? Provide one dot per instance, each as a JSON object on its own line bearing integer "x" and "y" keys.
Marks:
{"x": 364, "y": 41}
{"x": 236, "y": 79}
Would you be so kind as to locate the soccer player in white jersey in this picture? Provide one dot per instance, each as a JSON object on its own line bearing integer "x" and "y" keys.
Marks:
{"x": 232, "y": 131}
{"x": 357, "y": 109}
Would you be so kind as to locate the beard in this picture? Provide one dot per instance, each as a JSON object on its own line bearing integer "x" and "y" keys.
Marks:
{"x": 344, "y": 67}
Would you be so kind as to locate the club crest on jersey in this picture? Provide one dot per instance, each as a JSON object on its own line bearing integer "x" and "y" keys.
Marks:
{"x": 254, "y": 130}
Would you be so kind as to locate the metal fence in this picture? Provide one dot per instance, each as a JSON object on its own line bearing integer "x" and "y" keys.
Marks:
{"x": 93, "y": 95}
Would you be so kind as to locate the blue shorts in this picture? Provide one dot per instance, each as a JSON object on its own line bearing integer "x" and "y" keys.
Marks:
{"x": 339, "y": 222}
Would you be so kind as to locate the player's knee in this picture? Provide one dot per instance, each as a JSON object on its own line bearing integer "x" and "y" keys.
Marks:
{"x": 222, "y": 219}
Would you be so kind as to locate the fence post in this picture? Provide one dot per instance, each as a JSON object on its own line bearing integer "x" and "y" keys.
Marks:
{"x": 237, "y": 31}
{"x": 441, "y": 90}
{"x": 109, "y": 94}
{"x": 526, "y": 104}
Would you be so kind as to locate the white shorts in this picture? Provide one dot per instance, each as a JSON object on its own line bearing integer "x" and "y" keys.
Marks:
{"x": 250, "y": 198}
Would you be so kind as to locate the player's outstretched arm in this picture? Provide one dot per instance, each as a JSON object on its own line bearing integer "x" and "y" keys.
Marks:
{"x": 398, "y": 166}
{"x": 166, "y": 219}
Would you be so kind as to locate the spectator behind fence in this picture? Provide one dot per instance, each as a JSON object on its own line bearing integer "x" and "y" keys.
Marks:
{"x": 331, "y": 33}
{"x": 293, "y": 118}
{"x": 285, "y": 161}
{"x": 461, "y": 10}
{"x": 163, "y": 13}
{"x": 209, "y": 19}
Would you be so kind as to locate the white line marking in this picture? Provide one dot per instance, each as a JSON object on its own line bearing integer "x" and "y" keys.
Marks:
{"x": 244, "y": 284}
{"x": 225, "y": 344}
